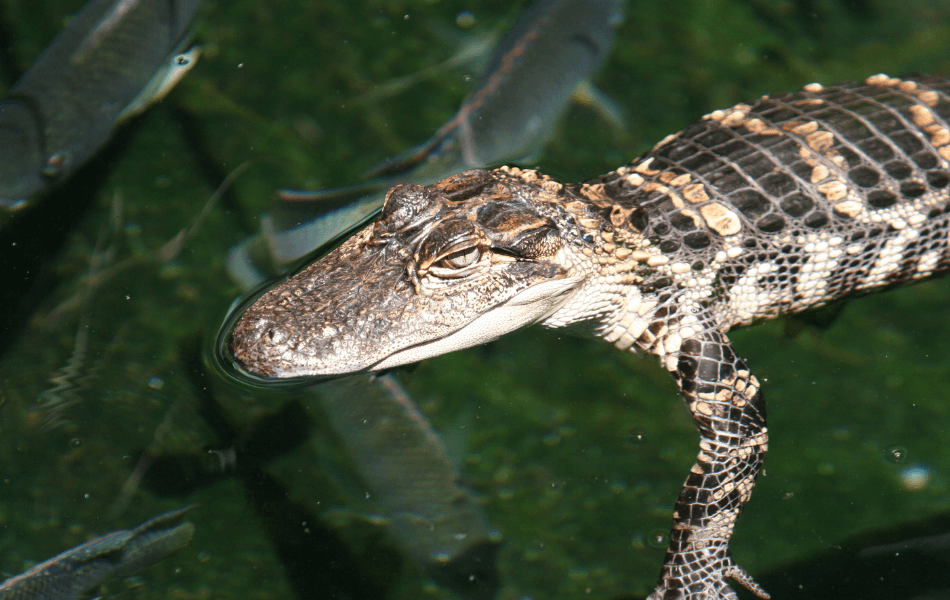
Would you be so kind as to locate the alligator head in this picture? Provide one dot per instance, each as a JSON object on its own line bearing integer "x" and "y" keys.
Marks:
{"x": 446, "y": 267}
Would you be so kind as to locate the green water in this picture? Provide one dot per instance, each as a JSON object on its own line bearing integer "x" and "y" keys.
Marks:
{"x": 577, "y": 449}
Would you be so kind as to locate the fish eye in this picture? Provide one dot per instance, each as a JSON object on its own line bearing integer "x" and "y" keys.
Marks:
{"x": 461, "y": 259}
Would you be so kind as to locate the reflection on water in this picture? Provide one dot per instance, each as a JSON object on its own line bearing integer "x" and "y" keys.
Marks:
{"x": 575, "y": 450}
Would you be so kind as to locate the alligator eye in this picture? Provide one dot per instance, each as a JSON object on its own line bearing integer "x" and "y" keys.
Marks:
{"x": 461, "y": 259}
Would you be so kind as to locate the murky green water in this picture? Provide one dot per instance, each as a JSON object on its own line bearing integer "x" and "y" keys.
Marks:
{"x": 576, "y": 449}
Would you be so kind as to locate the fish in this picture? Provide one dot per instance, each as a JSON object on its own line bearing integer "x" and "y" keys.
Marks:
{"x": 527, "y": 85}
{"x": 117, "y": 554}
{"x": 111, "y": 62}
{"x": 529, "y": 79}
{"x": 428, "y": 509}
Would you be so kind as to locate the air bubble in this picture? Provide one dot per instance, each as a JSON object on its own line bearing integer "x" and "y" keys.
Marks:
{"x": 896, "y": 454}
{"x": 658, "y": 538}
{"x": 633, "y": 438}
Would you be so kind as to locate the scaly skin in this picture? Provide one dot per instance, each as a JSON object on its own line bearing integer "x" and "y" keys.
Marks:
{"x": 759, "y": 210}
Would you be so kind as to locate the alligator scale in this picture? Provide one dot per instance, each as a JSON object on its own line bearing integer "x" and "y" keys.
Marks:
{"x": 759, "y": 210}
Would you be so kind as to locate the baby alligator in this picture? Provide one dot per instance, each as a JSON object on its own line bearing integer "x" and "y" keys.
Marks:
{"x": 759, "y": 210}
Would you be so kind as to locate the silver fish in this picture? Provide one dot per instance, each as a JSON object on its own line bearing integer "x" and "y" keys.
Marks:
{"x": 429, "y": 511}
{"x": 528, "y": 81}
{"x": 119, "y": 553}
{"x": 112, "y": 60}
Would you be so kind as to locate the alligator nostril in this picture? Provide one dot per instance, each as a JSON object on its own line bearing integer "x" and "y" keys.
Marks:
{"x": 276, "y": 335}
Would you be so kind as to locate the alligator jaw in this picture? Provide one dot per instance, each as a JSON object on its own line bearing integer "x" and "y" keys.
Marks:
{"x": 531, "y": 306}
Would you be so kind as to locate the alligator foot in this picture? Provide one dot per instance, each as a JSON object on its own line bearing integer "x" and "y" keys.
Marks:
{"x": 679, "y": 582}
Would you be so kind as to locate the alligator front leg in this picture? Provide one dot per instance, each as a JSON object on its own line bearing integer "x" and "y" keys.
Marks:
{"x": 727, "y": 406}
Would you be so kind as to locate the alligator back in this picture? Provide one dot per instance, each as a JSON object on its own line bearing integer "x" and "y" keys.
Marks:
{"x": 794, "y": 200}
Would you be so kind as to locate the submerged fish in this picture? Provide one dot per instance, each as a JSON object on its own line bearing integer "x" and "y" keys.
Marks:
{"x": 529, "y": 80}
{"x": 117, "y": 554}
{"x": 112, "y": 60}
{"x": 429, "y": 510}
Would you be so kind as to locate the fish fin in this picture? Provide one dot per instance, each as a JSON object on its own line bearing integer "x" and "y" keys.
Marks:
{"x": 472, "y": 50}
{"x": 292, "y": 235}
{"x": 606, "y": 107}
{"x": 249, "y": 263}
{"x": 403, "y": 164}
{"x": 155, "y": 540}
{"x": 337, "y": 194}
{"x": 163, "y": 521}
